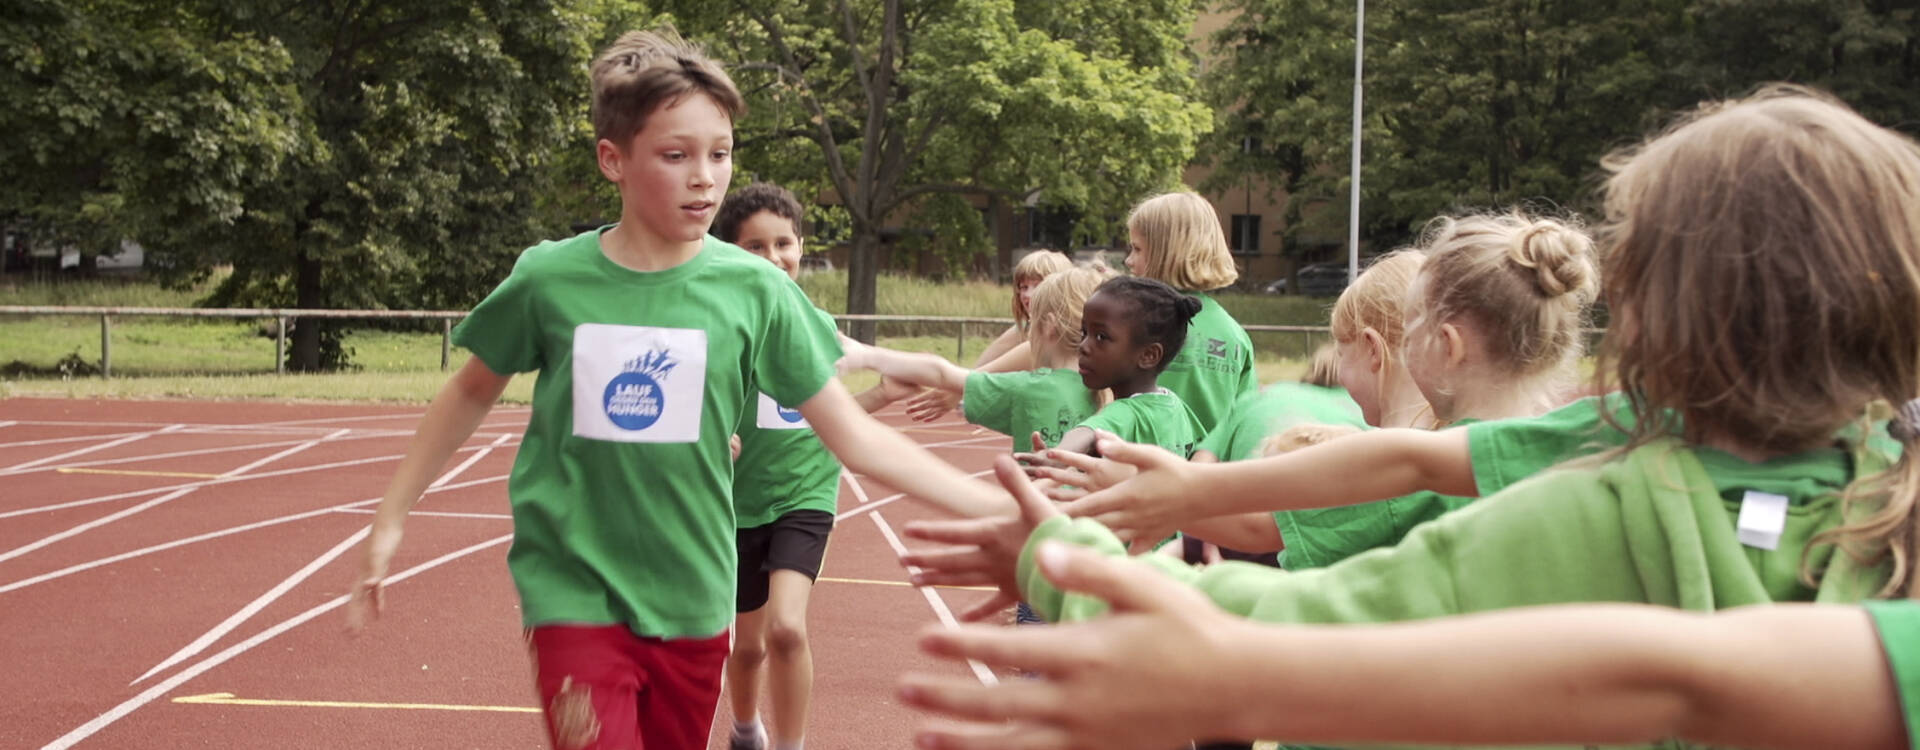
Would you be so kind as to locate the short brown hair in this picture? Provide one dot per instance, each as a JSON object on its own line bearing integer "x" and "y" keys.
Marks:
{"x": 645, "y": 70}
{"x": 1763, "y": 264}
{"x": 1183, "y": 242}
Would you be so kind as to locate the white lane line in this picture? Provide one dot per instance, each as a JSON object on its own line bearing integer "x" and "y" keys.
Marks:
{"x": 208, "y": 482}
{"x": 161, "y": 500}
{"x": 259, "y": 603}
{"x": 181, "y": 454}
{"x": 119, "y": 712}
{"x": 8, "y": 423}
{"x": 933, "y": 599}
{"x": 434, "y": 513}
{"x": 105, "y": 561}
{"x": 92, "y": 448}
{"x": 226, "y": 626}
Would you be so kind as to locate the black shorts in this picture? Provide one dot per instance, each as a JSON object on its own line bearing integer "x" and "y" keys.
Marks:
{"x": 795, "y": 541}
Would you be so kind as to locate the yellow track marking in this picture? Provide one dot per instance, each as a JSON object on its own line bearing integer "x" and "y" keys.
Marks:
{"x": 228, "y": 699}
{"x": 871, "y": 582}
{"x": 125, "y": 473}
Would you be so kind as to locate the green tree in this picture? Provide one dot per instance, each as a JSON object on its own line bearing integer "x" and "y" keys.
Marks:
{"x": 917, "y": 108}
{"x": 1481, "y": 104}
{"x": 333, "y": 154}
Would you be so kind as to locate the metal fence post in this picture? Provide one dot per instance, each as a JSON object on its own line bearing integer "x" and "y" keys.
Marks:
{"x": 960, "y": 344}
{"x": 446, "y": 343}
{"x": 106, "y": 346}
{"x": 280, "y": 346}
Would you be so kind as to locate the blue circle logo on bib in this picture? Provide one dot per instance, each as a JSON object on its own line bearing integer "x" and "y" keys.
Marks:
{"x": 790, "y": 416}
{"x": 634, "y": 399}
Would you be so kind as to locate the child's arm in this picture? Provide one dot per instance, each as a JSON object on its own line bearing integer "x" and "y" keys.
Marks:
{"x": 452, "y": 417}
{"x": 1247, "y": 532}
{"x": 1788, "y": 676}
{"x": 886, "y": 392}
{"x": 1007, "y": 340}
{"x": 928, "y": 370}
{"x": 935, "y": 404}
{"x": 1169, "y": 493}
{"x": 871, "y": 448}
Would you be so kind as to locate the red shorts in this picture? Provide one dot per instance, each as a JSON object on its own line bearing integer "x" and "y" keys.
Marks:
{"x": 604, "y": 688}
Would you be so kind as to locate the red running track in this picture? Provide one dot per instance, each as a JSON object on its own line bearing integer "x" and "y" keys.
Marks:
{"x": 171, "y": 575}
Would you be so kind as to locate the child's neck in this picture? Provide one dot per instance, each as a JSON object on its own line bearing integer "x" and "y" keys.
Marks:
{"x": 633, "y": 246}
{"x": 1497, "y": 401}
{"x": 1058, "y": 357}
{"x": 1402, "y": 405}
{"x": 1146, "y": 382}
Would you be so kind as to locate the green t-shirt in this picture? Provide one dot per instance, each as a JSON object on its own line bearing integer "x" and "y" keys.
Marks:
{"x": 1047, "y": 401}
{"x": 1898, "y": 622}
{"x": 783, "y": 466}
{"x": 1215, "y": 367}
{"x": 1154, "y": 418}
{"x": 1270, "y": 410}
{"x": 1505, "y": 451}
{"x": 1318, "y": 537}
{"x": 622, "y": 491}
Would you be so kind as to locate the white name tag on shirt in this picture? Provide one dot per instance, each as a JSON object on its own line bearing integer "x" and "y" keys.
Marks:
{"x": 1763, "y": 517}
{"x": 638, "y": 384}
{"x": 773, "y": 416}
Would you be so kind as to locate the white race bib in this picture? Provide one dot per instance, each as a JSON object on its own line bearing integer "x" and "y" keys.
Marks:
{"x": 773, "y": 416}
{"x": 638, "y": 384}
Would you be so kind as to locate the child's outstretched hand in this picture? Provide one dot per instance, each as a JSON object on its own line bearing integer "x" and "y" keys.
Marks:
{"x": 932, "y": 405}
{"x": 984, "y": 551}
{"x": 1143, "y": 677}
{"x": 1146, "y": 506}
{"x": 367, "y": 598}
{"x": 1076, "y": 474}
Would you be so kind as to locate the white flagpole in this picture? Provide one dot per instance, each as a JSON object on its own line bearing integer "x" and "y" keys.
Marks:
{"x": 1353, "y": 209}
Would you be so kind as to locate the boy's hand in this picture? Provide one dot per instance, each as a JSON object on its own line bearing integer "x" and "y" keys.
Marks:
{"x": 733, "y": 446}
{"x": 367, "y": 599}
{"x": 984, "y": 551}
{"x": 1147, "y": 506}
{"x": 1143, "y": 677}
{"x": 932, "y": 405}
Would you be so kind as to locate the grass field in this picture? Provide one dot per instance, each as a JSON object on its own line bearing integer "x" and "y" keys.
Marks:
{"x": 178, "y": 358}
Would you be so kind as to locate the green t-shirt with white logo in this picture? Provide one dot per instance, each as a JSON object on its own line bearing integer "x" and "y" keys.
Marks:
{"x": 1047, "y": 401}
{"x": 1153, "y": 418}
{"x": 622, "y": 491}
{"x": 783, "y": 467}
{"x": 1215, "y": 367}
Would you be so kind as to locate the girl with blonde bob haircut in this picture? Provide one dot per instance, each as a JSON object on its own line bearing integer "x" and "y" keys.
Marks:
{"x": 1176, "y": 238}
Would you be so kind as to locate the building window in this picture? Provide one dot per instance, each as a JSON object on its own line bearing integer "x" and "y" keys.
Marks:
{"x": 1245, "y": 237}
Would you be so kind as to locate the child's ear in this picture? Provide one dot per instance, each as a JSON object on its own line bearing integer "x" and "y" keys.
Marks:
{"x": 610, "y": 158}
{"x": 1150, "y": 356}
{"x": 1376, "y": 350}
{"x": 1456, "y": 345}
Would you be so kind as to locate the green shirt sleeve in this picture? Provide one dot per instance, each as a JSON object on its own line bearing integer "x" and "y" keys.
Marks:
{"x": 1119, "y": 418}
{"x": 1505, "y": 451}
{"x": 988, "y": 401}
{"x": 794, "y": 360}
{"x": 1898, "y": 623}
{"x": 502, "y": 330}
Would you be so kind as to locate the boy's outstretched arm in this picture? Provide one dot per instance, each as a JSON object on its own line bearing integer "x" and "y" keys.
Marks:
{"x": 1787, "y": 676}
{"x": 869, "y": 447}
{"x": 1169, "y": 493}
{"x": 928, "y": 370}
{"x": 450, "y": 419}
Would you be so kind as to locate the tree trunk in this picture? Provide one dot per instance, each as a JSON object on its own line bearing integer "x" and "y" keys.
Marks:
{"x": 863, "y": 265}
{"x": 305, "y": 354}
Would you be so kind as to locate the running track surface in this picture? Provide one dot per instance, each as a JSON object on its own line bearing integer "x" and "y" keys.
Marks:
{"x": 172, "y": 573}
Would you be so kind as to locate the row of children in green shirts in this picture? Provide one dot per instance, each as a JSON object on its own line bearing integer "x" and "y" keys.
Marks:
{"x": 1762, "y": 264}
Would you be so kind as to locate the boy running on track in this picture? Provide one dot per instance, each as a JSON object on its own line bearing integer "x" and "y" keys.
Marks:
{"x": 651, "y": 340}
